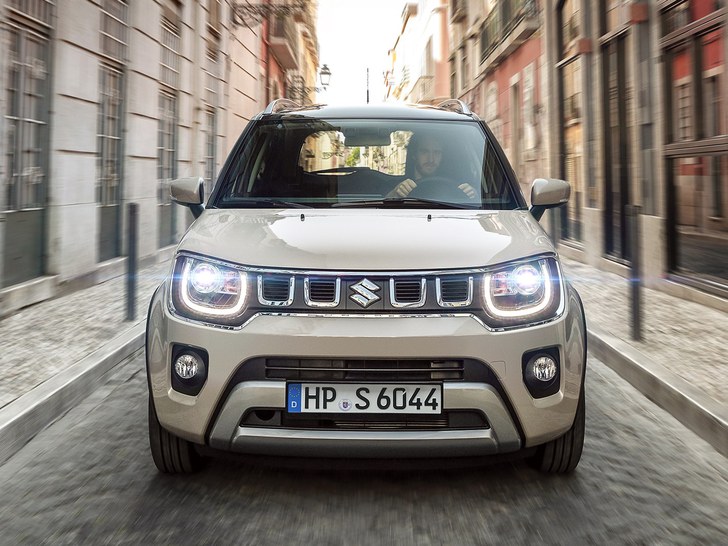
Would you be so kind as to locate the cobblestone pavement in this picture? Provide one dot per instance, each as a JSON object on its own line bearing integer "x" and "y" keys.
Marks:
{"x": 89, "y": 478}
{"x": 44, "y": 339}
{"x": 685, "y": 337}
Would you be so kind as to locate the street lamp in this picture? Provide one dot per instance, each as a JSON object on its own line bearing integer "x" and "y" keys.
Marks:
{"x": 325, "y": 75}
{"x": 295, "y": 87}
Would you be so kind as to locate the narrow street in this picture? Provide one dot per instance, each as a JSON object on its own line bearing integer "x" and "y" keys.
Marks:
{"x": 89, "y": 478}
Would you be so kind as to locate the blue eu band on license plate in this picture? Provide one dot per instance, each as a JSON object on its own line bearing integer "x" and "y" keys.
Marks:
{"x": 364, "y": 398}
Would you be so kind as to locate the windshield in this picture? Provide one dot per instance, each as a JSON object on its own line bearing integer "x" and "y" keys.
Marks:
{"x": 361, "y": 163}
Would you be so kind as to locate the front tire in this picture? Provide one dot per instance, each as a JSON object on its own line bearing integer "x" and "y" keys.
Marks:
{"x": 562, "y": 455}
{"x": 172, "y": 455}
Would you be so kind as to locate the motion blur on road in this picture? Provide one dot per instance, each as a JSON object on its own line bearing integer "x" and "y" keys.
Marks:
{"x": 89, "y": 479}
{"x": 104, "y": 103}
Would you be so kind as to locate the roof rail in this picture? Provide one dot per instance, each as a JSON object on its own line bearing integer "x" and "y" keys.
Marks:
{"x": 455, "y": 105}
{"x": 280, "y": 104}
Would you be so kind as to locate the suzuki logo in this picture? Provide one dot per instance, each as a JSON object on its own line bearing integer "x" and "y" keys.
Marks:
{"x": 365, "y": 295}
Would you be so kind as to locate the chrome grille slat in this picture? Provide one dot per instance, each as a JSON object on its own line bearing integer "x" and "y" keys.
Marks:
{"x": 322, "y": 292}
{"x": 365, "y": 370}
{"x": 407, "y": 293}
{"x": 454, "y": 291}
{"x": 276, "y": 290}
{"x": 391, "y": 425}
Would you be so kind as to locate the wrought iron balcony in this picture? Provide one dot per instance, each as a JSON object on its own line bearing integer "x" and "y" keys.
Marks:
{"x": 509, "y": 24}
{"x": 284, "y": 42}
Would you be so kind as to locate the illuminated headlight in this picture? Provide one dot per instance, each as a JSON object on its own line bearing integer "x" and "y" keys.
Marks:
{"x": 523, "y": 293}
{"x": 207, "y": 290}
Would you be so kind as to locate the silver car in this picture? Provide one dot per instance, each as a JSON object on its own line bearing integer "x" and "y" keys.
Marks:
{"x": 366, "y": 282}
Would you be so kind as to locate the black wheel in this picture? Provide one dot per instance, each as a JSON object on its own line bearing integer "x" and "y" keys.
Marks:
{"x": 171, "y": 454}
{"x": 562, "y": 455}
{"x": 440, "y": 188}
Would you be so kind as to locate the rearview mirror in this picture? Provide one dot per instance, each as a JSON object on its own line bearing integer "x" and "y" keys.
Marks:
{"x": 366, "y": 136}
{"x": 190, "y": 192}
{"x": 547, "y": 193}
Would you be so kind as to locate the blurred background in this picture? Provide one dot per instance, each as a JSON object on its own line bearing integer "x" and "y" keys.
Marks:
{"x": 104, "y": 102}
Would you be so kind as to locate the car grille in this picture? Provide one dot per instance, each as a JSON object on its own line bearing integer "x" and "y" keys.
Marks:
{"x": 352, "y": 293}
{"x": 364, "y": 370}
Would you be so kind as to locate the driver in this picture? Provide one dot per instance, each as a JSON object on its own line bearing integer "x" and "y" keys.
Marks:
{"x": 423, "y": 161}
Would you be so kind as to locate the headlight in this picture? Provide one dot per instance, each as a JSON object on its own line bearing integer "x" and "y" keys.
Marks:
{"x": 523, "y": 293}
{"x": 208, "y": 290}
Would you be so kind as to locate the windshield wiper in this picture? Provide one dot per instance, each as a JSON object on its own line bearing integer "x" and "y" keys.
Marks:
{"x": 402, "y": 201}
{"x": 264, "y": 203}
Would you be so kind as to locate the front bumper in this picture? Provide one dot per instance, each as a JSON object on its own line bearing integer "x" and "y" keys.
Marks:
{"x": 358, "y": 443}
{"x": 515, "y": 419}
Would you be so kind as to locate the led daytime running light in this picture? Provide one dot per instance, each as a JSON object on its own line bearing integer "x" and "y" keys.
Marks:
{"x": 517, "y": 313}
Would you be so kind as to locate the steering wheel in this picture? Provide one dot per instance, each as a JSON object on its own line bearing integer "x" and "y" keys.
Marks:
{"x": 440, "y": 188}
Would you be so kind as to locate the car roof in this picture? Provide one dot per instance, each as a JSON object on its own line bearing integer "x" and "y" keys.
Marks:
{"x": 366, "y": 111}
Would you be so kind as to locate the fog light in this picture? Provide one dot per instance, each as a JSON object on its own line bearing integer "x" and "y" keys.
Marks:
{"x": 543, "y": 368}
{"x": 187, "y": 365}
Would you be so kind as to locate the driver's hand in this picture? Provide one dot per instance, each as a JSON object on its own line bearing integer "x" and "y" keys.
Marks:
{"x": 468, "y": 190}
{"x": 403, "y": 189}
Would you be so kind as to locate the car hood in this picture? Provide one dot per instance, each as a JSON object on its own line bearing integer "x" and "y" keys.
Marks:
{"x": 365, "y": 240}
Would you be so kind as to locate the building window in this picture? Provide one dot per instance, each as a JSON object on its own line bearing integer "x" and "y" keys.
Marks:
{"x": 25, "y": 144}
{"x": 109, "y": 137}
{"x": 569, "y": 22}
{"x": 684, "y": 115}
{"x": 39, "y": 10}
{"x": 516, "y": 156}
{"x": 464, "y": 69}
{"x": 114, "y": 29}
{"x": 718, "y": 167}
{"x": 617, "y": 164}
{"x": 570, "y": 123}
{"x": 27, "y": 120}
{"x": 214, "y": 11}
{"x": 614, "y": 15}
{"x": 170, "y": 62}
{"x": 529, "y": 107}
{"x": 166, "y": 165}
{"x": 210, "y": 149}
{"x": 491, "y": 109}
{"x": 714, "y": 122}
{"x": 167, "y": 134}
{"x": 453, "y": 79}
{"x": 693, "y": 43}
{"x": 109, "y": 162}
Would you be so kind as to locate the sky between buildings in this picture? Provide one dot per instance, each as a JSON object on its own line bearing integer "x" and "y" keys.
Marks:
{"x": 355, "y": 35}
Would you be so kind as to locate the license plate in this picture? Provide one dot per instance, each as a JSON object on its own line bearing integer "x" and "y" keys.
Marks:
{"x": 364, "y": 398}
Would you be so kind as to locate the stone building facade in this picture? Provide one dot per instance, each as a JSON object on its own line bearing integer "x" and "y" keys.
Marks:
{"x": 628, "y": 101}
{"x": 649, "y": 95}
{"x": 418, "y": 60}
{"x": 497, "y": 67}
{"x": 104, "y": 103}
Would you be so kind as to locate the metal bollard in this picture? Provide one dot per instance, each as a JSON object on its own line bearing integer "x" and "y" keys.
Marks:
{"x": 633, "y": 217}
{"x": 131, "y": 261}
